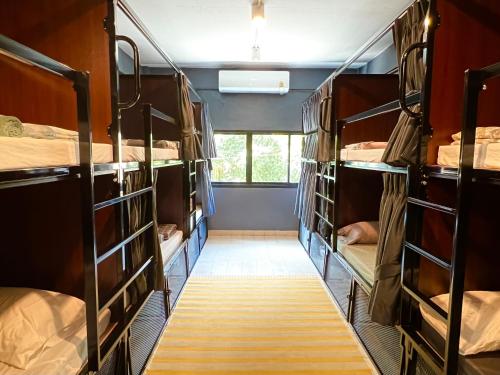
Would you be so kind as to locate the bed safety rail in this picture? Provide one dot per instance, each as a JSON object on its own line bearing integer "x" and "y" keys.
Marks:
{"x": 474, "y": 83}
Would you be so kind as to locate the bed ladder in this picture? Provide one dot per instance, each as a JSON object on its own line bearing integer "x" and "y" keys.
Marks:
{"x": 412, "y": 340}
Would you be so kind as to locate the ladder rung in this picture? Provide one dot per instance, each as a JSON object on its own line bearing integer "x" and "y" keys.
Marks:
{"x": 113, "y": 201}
{"x": 432, "y": 206}
{"x": 434, "y": 309}
{"x": 119, "y": 245}
{"x": 424, "y": 349}
{"x": 126, "y": 284}
{"x": 440, "y": 262}
{"x": 323, "y": 218}
{"x": 323, "y": 197}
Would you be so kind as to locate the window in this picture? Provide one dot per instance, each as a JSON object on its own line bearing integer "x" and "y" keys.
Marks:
{"x": 230, "y": 166}
{"x": 259, "y": 158}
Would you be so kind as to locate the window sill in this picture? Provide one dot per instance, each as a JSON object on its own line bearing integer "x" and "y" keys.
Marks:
{"x": 254, "y": 185}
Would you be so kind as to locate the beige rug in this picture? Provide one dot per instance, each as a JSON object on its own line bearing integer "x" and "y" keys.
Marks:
{"x": 257, "y": 325}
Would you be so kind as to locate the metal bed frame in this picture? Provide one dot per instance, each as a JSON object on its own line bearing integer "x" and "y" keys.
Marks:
{"x": 475, "y": 80}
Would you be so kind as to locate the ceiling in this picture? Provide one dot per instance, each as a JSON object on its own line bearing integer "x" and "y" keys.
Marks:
{"x": 218, "y": 33}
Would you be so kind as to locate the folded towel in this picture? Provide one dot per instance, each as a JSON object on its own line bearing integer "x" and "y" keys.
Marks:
{"x": 367, "y": 146}
{"x": 10, "y": 126}
{"x": 48, "y": 132}
{"x": 484, "y": 132}
{"x": 167, "y": 230}
{"x": 173, "y": 145}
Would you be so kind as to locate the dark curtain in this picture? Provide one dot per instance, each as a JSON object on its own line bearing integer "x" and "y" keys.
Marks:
{"x": 137, "y": 210}
{"x": 136, "y": 218}
{"x": 316, "y": 110}
{"x": 384, "y": 297}
{"x": 304, "y": 203}
{"x": 402, "y": 148}
{"x": 190, "y": 141}
{"x": 209, "y": 148}
{"x": 205, "y": 186}
{"x": 317, "y": 146}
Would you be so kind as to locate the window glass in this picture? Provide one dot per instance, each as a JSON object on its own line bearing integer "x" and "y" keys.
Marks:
{"x": 296, "y": 141}
{"x": 270, "y": 158}
{"x": 231, "y": 162}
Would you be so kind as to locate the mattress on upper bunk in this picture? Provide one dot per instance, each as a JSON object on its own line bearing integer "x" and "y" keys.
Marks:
{"x": 26, "y": 152}
{"x": 486, "y": 156}
{"x": 170, "y": 246}
{"x": 372, "y": 156}
{"x": 361, "y": 257}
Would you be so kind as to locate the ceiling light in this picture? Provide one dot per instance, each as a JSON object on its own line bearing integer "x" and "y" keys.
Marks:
{"x": 258, "y": 18}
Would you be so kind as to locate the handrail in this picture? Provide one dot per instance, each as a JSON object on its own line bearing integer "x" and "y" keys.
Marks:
{"x": 402, "y": 81}
{"x": 137, "y": 73}
{"x": 134, "y": 18}
{"x": 28, "y": 56}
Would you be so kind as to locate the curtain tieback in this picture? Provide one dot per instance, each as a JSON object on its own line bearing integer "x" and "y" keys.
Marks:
{"x": 386, "y": 271}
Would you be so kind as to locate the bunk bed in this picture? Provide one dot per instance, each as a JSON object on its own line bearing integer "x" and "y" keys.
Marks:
{"x": 442, "y": 186}
{"x": 84, "y": 324}
{"x": 369, "y": 136}
{"x": 126, "y": 172}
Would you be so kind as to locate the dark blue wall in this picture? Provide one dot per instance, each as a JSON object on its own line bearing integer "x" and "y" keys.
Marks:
{"x": 256, "y": 208}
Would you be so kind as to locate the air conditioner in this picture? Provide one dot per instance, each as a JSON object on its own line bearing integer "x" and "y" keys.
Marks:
{"x": 254, "y": 81}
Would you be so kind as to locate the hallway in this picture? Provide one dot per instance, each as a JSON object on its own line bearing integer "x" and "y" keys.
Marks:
{"x": 255, "y": 305}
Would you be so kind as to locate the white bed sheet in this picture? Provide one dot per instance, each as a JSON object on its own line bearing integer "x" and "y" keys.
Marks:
{"x": 486, "y": 156}
{"x": 60, "y": 357}
{"x": 20, "y": 153}
{"x": 372, "y": 156}
{"x": 168, "y": 247}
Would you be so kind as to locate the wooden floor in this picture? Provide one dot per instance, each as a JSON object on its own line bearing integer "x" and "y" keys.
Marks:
{"x": 256, "y": 305}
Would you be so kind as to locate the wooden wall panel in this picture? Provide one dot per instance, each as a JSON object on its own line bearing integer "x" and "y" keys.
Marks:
{"x": 468, "y": 38}
{"x": 36, "y": 96}
{"x": 72, "y": 32}
{"x": 161, "y": 92}
{"x": 355, "y": 93}
{"x": 356, "y": 203}
{"x": 170, "y": 197}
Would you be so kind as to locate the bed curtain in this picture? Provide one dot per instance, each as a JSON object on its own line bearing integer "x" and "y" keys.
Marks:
{"x": 384, "y": 297}
{"x": 209, "y": 148}
{"x": 137, "y": 211}
{"x": 316, "y": 117}
{"x": 205, "y": 186}
{"x": 316, "y": 110}
{"x": 304, "y": 203}
{"x": 190, "y": 141}
{"x": 402, "y": 148}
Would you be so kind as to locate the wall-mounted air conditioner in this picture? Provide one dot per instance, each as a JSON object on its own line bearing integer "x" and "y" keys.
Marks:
{"x": 254, "y": 81}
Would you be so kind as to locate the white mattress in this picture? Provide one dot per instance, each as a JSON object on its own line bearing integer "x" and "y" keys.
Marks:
{"x": 373, "y": 156}
{"x": 169, "y": 246}
{"x": 19, "y": 153}
{"x": 60, "y": 357}
{"x": 486, "y": 156}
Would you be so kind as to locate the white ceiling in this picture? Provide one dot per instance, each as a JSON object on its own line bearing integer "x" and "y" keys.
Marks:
{"x": 216, "y": 33}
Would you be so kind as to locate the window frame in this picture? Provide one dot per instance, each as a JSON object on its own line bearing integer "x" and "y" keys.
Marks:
{"x": 249, "y": 145}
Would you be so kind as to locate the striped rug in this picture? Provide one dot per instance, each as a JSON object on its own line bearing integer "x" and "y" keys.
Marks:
{"x": 257, "y": 325}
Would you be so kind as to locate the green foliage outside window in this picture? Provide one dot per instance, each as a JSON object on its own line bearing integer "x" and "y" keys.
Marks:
{"x": 275, "y": 158}
{"x": 230, "y": 165}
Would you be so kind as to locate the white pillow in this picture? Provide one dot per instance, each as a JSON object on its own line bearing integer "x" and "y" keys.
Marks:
{"x": 29, "y": 317}
{"x": 480, "y": 330}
